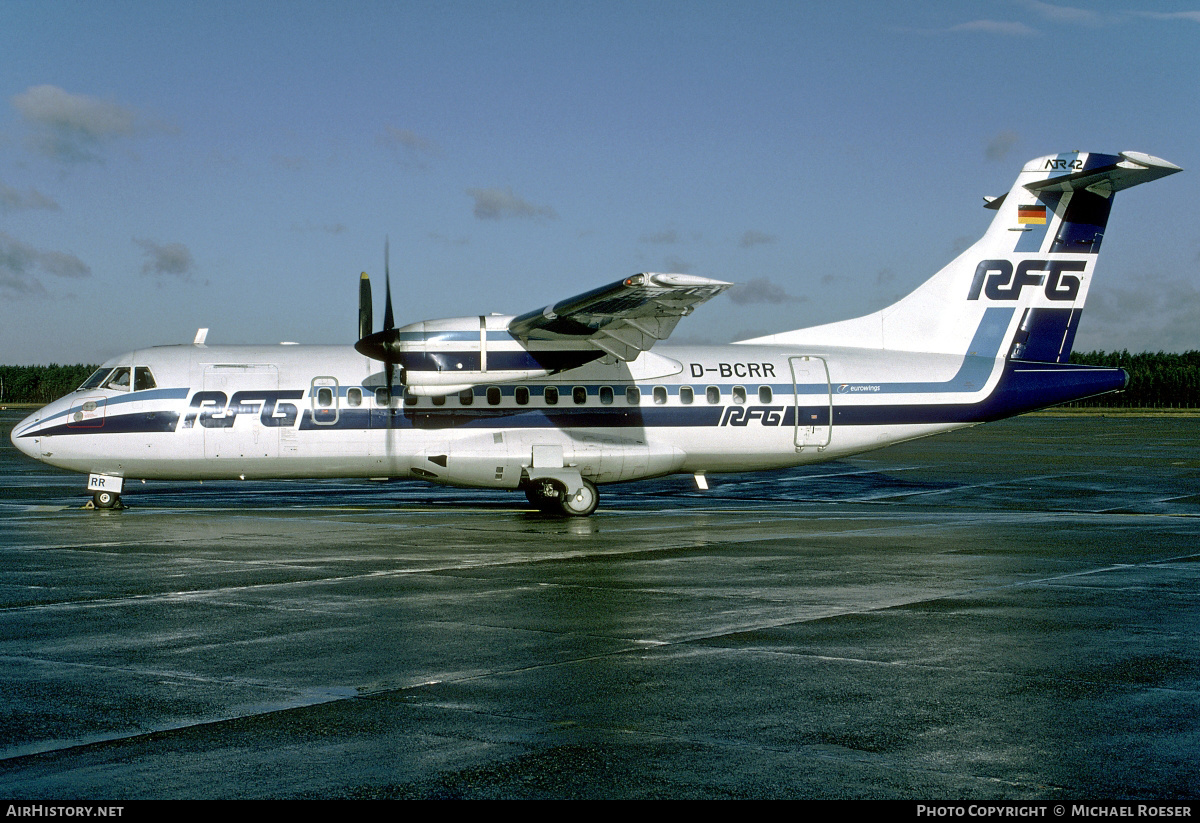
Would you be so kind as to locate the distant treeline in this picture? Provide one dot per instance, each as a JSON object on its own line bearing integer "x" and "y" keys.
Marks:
{"x": 40, "y": 384}
{"x": 1157, "y": 380}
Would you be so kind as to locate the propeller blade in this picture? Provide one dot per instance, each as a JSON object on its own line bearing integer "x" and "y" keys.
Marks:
{"x": 378, "y": 345}
{"x": 388, "y": 322}
{"x": 364, "y": 306}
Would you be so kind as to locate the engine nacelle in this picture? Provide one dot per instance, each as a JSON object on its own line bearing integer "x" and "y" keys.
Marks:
{"x": 441, "y": 357}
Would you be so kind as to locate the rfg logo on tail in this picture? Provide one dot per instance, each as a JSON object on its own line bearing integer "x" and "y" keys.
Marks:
{"x": 998, "y": 281}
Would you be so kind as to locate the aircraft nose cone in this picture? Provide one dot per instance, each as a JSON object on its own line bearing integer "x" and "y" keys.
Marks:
{"x": 26, "y": 445}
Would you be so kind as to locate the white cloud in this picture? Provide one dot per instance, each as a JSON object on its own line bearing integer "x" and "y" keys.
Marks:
{"x": 409, "y": 148}
{"x": 170, "y": 258}
{"x": 74, "y": 128}
{"x": 999, "y": 146}
{"x": 761, "y": 290}
{"x": 12, "y": 200}
{"x": 499, "y": 204}
{"x": 1004, "y": 27}
{"x": 1193, "y": 16}
{"x": 1062, "y": 14}
{"x": 293, "y": 162}
{"x": 326, "y": 228}
{"x": 662, "y": 238}
{"x": 20, "y": 262}
{"x": 756, "y": 238}
{"x": 1141, "y": 313}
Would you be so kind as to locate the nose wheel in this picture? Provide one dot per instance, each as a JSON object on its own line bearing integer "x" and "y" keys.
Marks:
{"x": 106, "y": 500}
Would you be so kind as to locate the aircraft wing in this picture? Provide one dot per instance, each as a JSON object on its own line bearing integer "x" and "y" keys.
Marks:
{"x": 623, "y": 319}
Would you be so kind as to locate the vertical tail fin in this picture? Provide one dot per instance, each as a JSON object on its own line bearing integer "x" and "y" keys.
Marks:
{"x": 1020, "y": 289}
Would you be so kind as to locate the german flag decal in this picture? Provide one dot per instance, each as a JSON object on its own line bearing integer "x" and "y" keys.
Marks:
{"x": 1032, "y": 215}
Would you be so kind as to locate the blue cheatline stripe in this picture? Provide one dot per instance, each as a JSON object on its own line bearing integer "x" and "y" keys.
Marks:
{"x": 972, "y": 374}
{"x": 136, "y": 423}
{"x": 497, "y": 360}
{"x": 454, "y": 337}
{"x": 1022, "y": 387}
{"x": 146, "y": 395}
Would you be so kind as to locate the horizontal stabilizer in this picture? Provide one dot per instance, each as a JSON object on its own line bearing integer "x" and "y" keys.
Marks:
{"x": 1132, "y": 169}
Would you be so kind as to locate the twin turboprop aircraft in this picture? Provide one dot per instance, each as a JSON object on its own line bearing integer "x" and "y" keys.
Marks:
{"x": 559, "y": 400}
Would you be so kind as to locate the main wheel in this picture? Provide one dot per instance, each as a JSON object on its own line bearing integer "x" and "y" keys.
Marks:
{"x": 105, "y": 500}
{"x": 581, "y": 503}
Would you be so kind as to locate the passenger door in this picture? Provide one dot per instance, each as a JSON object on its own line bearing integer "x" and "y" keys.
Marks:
{"x": 814, "y": 402}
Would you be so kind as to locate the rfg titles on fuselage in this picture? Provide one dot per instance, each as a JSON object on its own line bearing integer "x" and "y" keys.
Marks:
{"x": 210, "y": 409}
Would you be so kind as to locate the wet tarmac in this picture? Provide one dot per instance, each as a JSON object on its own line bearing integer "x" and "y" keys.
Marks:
{"x": 1012, "y": 612}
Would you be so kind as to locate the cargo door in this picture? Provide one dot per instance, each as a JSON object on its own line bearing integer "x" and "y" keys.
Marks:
{"x": 238, "y": 431}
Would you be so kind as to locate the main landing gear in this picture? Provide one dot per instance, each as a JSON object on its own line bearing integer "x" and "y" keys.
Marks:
{"x": 552, "y": 497}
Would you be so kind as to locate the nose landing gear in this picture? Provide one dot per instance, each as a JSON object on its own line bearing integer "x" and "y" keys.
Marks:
{"x": 105, "y": 500}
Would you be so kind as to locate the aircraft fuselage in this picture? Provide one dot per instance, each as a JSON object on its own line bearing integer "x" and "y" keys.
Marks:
{"x": 324, "y": 411}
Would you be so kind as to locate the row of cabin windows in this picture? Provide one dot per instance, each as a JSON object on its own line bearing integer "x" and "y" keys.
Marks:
{"x": 551, "y": 396}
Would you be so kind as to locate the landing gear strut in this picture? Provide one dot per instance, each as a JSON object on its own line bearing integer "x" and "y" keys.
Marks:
{"x": 543, "y": 495}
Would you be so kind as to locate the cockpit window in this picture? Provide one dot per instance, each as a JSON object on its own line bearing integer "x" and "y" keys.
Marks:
{"x": 143, "y": 379}
{"x": 118, "y": 380}
{"x": 95, "y": 380}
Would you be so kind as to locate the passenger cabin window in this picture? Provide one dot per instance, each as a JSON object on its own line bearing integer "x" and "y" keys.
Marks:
{"x": 579, "y": 395}
{"x": 143, "y": 379}
{"x": 440, "y": 400}
{"x": 466, "y": 397}
{"x": 381, "y": 396}
{"x": 739, "y": 394}
{"x": 550, "y": 393}
{"x": 606, "y": 395}
{"x": 521, "y": 395}
{"x": 324, "y": 397}
{"x": 493, "y": 395}
{"x": 660, "y": 395}
{"x": 354, "y": 397}
{"x": 764, "y": 394}
{"x": 686, "y": 396}
{"x": 633, "y": 395}
{"x": 410, "y": 399}
{"x": 712, "y": 394}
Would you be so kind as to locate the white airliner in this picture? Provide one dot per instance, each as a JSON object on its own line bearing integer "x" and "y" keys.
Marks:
{"x": 561, "y": 399}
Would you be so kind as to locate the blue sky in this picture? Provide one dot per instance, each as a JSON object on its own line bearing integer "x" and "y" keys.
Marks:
{"x": 166, "y": 166}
